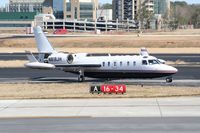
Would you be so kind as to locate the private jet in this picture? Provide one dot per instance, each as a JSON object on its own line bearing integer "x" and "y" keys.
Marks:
{"x": 107, "y": 66}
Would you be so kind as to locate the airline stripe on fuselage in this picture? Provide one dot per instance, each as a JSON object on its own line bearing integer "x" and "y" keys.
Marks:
{"x": 132, "y": 71}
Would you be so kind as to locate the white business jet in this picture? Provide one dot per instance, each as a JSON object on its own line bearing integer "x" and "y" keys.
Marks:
{"x": 108, "y": 66}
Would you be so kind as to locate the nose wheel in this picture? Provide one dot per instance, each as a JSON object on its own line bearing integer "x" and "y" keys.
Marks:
{"x": 81, "y": 77}
{"x": 169, "y": 79}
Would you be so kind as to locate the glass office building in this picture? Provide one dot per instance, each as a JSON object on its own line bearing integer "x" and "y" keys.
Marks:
{"x": 160, "y": 6}
{"x": 58, "y": 9}
{"x": 86, "y": 11}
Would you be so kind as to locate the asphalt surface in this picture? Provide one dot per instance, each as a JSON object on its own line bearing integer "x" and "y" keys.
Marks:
{"x": 101, "y": 125}
{"x": 187, "y": 76}
{"x": 168, "y": 57}
{"x": 183, "y": 73}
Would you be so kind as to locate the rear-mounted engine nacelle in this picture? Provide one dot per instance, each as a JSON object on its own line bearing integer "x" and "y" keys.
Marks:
{"x": 70, "y": 58}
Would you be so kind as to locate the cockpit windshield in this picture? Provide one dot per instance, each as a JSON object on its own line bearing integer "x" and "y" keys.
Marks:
{"x": 152, "y": 62}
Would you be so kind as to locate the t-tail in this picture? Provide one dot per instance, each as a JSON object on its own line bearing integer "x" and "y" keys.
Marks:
{"x": 144, "y": 52}
{"x": 44, "y": 46}
{"x": 33, "y": 63}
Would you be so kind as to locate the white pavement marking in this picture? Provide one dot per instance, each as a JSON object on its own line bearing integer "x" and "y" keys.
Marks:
{"x": 149, "y": 107}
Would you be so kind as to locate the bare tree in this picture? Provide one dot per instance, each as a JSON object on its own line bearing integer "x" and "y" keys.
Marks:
{"x": 144, "y": 17}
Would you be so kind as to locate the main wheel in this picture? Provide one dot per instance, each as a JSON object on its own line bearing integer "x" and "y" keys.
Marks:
{"x": 169, "y": 80}
{"x": 81, "y": 78}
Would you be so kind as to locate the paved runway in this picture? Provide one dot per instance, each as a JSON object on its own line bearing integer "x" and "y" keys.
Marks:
{"x": 101, "y": 125}
{"x": 187, "y": 76}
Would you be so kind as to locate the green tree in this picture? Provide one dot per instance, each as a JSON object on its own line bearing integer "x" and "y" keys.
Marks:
{"x": 177, "y": 19}
{"x": 107, "y": 6}
{"x": 165, "y": 19}
{"x": 144, "y": 17}
{"x": 180, "y": 3}
{"x": 196, "y": 18}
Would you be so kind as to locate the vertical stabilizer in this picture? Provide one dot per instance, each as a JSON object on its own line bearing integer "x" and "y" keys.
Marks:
{"x": 43, "y": 44}
{"x": 144, "y": 52}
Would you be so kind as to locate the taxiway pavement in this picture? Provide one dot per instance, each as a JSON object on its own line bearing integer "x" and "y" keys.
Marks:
{"x": 101, "y": 125}
{"x": 138, "y": 107}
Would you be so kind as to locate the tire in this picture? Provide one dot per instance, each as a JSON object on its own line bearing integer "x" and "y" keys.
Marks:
{"x": 169, "y": 80}
{"x": 81, "y": 78}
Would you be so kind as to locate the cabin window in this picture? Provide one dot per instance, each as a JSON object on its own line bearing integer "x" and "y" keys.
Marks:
{"x": 115, "y": 64}
{"x": 103, "y": 64}
{"x": 144, "y": 62}
{"x": 128, "y": 63}
{"x": 134, "y": 63}
{"x": 152, "y": 62}
{"x": 108, "y": 63}
{"x": 121, "y": 63}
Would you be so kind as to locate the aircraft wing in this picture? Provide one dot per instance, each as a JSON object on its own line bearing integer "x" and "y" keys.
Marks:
{"x": 79, "y": 65}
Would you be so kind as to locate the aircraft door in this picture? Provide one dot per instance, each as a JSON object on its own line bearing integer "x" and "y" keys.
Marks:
{"x": 144, "y": 64}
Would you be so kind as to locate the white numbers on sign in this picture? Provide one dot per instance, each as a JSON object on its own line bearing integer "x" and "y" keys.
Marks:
{"x": 106, "y": 89}
{"x": 119, "y": 88}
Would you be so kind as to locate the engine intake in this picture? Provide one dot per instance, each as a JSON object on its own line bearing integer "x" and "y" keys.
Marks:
{"x": 70, "y": 59}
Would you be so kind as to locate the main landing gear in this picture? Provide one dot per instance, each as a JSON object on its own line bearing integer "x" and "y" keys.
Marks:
{"x": 169, "y": 79}
{"x": 81, "y": 77}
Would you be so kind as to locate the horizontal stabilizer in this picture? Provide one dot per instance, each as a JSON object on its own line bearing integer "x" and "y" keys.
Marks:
{"x": 144, "y": 52}
{"x": 30, "y": 56}
{"x": 33, "y": 63}
{"x": 38, "y": 65}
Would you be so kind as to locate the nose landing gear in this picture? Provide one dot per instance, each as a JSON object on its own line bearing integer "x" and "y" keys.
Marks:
{"x": 81, "y": 77}
{"x": 169, "y": 79}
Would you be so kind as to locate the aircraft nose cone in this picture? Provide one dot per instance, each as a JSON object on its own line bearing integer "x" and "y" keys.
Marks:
{"x": 174, "y": 70}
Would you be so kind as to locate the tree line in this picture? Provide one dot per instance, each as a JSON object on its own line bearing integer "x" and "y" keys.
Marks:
{"x": 183, "y": 14}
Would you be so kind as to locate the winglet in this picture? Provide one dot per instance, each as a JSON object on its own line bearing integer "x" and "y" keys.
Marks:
{"x": 30, "y": 56}
{"x": 144, "y": 52}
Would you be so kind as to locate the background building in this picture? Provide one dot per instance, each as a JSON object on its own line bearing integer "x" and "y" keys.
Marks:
{"x": 105, "y": 14}
{"x": 58, "y": 8}
{"x": 123, "y": 9}
{"x": 149, "y": 4}
{"x": 62, "y": 9}
{"x": 47, "y": 7}
{"x": 161, "y": 6}
{"x": 25, "y": 6}
{"x": 80, "y": 9}
{"x": 127, "y": 9}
